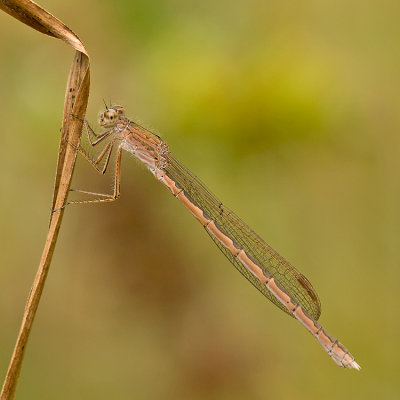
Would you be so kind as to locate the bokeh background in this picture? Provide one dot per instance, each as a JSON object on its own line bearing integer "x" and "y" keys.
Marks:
{"x": 289, "y": 111}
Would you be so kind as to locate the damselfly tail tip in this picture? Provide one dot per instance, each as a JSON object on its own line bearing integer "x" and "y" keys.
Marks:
{"x": 350, "y": 364}
{"x": 354, "y": 365}
{"x": 344, "y": 359}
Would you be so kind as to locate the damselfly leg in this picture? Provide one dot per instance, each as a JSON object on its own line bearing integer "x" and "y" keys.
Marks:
{"x": 104, "y": 156}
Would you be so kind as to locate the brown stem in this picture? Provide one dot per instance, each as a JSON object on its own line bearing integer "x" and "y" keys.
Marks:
{"x": 76, "y": 99}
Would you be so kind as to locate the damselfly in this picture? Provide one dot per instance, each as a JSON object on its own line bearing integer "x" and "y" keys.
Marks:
{"x": 270, "y": 273}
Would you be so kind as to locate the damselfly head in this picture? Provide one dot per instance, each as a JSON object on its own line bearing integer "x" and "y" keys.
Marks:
{"x": 110, "y": 117}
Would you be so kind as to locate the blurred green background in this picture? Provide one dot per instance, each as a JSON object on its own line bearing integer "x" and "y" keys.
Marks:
{"x": 289, "y": 112}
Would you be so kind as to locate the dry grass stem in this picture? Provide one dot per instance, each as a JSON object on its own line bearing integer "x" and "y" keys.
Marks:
{"x": 76, "y": 99}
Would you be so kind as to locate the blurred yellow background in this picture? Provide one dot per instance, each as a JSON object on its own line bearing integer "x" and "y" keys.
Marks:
{"x": 289, "y": 112}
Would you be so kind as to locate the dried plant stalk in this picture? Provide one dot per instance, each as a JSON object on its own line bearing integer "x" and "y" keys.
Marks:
{"x": 76, "y": 99}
